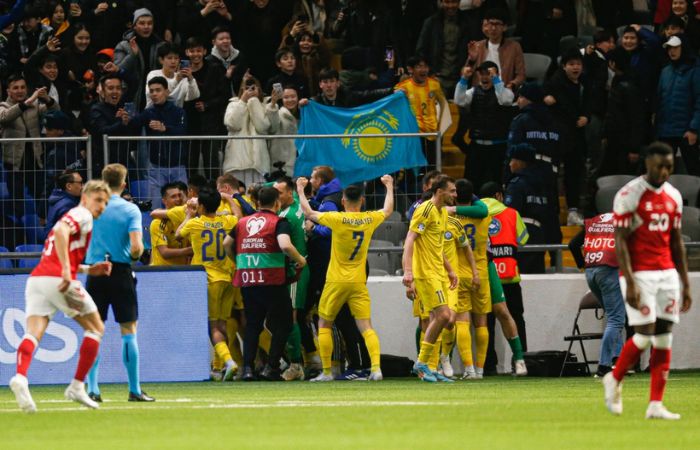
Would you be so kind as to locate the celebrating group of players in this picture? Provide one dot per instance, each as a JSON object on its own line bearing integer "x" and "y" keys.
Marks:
{"x": 459, "y": 252}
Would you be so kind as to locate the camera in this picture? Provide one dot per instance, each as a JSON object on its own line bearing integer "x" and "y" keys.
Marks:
{"x": 277, "y": 174}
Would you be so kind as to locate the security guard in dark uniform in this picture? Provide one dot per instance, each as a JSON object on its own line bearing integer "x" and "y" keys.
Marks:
{"x": 529, "y": 193}
{"x": 536, "y": 126}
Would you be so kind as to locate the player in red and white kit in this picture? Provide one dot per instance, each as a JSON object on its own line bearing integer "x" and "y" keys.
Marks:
{"x": 52, "y": 286}
{"x": 651, "y": 256}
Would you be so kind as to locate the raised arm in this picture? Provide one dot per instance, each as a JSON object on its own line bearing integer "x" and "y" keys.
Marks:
{"x": 388, "y": 183}
{"x": 309, "y": 213}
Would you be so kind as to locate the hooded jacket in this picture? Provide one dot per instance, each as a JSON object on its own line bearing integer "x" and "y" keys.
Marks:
{"x": 136, "y": 65}
{"x": 60, "y": 202}
{"x": 238, "y": 60}
{"x": 249, "y": 118}
{"x": 678, "y": 94}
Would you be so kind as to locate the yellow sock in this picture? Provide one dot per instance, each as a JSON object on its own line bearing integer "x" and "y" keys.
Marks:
{"x": 222, "y": 350}
{"x": 426, "y": 350}
{"x": 325, "y": 348}
{"x": 435, "y": 355}
{"x": 448, "y": 341}
{"x": 265, "y": 340}
{"x": 234, "y": 344}
{"x": 372, "y": 343}
{"x": 464, "y": 342}
{"x": 482, "y": 344}
{"x": 217, "y": 363}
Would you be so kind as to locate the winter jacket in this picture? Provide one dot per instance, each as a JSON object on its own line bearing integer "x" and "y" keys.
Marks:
{"x": 573, "y": 99}
{"x": 164, "y": 153}
{"x": 529, "y": 194}
{"x": 20, "y": 121}
{"x": 535, "y": 126}
{"x": 327, "y": 199}
{"x": 430, "y": 43}
{"x": 102, "y": 120}
{"x": 179, "y": 91}
{"x": 214, "y": 92}
{"x": 490, "y": 110}
{"x": 283, "y": 122}
{"x": 238, "y": 60}
{"x": 678, "y": 100}
{"x": 295, "y": 79}
{"x": 60, "y": 202}
{"x": 626, "y": 115}
{"x": 249, "y": 118}
{"x": 136, "y": 65}
{"x": 645, "y": 61}
{"x": 510, "y": 55}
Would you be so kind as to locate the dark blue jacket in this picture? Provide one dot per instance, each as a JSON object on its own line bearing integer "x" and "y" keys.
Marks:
{"x": 528, "y": 193}
{"x": 323, "y": 203}
{"x": 535, "y": 126}
{"x": 60, "y": 202}
{"x": 678, "y": 94}
{"x": 165, "y": 153}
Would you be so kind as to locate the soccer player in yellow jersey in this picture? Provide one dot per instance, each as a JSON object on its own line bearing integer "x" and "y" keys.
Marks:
{"x": 207, "y": 233}
{"x": 474, "y": 296}
{"x": 427, "y": 272}
{"x": 168, "y": 251}
{"x": 346, "y": 280}
{"x": 425, "y": 95}
{"x": 458, "y": 252}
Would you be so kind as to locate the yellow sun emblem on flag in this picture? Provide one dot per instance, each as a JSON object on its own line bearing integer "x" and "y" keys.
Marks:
{"x": 369, "y": 122}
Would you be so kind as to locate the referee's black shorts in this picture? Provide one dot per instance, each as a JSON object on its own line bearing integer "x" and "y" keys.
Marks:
{"x": 118, "y": 290}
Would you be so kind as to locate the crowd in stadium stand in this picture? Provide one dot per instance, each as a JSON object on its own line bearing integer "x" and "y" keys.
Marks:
{"x": 619, "y": 74}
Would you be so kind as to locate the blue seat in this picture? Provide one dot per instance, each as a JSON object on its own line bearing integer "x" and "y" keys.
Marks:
{"x": 28, "y": 262}
{"x": 146, "y": 220}
{"x": 139, "y": 189}
{"x": 5, "y": 263}
{"x": 33, "y": 230}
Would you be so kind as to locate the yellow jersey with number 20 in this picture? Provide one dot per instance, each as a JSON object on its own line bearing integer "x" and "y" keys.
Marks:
{"x": 207, "y": 235}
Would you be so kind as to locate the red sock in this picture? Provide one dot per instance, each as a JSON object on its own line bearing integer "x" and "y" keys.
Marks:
{"x": 628, "y": 357}
{"x": 88, "y": 353}
{"x": 659, "y": 365}
{"x": 24, "y": 355}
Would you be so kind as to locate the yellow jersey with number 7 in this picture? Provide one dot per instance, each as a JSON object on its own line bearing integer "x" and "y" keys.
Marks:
{"x": 352, "y": 232}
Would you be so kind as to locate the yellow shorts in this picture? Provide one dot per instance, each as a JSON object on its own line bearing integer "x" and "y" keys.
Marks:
{"x": 478, "y": 302}
{"x": 335, "y": 295}
{"x": 432, "y": 293}
{"x": 220, "y": 300}
{"x": 418, "y": 309}
{"x": 237, "y": 298}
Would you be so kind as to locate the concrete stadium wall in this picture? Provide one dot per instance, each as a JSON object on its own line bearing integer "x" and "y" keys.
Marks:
{"x": 551, "y": 302}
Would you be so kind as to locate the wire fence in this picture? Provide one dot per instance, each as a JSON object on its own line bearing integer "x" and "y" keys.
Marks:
{"x": 29, "y": 185}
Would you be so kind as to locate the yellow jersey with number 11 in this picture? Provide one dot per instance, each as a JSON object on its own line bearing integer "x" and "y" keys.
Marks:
{"x": 430, "y": 223}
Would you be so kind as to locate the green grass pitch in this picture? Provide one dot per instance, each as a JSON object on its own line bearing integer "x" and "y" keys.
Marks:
{"x": 498, "y": 412}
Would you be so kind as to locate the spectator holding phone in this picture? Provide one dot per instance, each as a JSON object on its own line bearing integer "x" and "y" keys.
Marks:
{"x": 182, "y": 86}
{"x": 58, "y": 19}
{"x": 284, "y": 120}
{"x": 246, "y": 115}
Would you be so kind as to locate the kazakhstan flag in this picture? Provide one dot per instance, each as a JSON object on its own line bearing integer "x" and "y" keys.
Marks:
{"x": 354, "y": 159}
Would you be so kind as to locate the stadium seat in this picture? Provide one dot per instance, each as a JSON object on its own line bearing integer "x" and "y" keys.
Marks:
{"x": 604, "y": 199}
{"x": 536, "y": 66}
{"x": 614, "y": 181}
{"x": 391, "y": 231}
{"x": 379, "y": 261}
{"x": 568, "y": 42}
{"x": 588, "y": 302}
{"x": 394, "y": 257}
{"x": 33, "y": 230}
{"x": 394, "y": 217}
{"x": 5, "y": 263}
{"x": 690, "y": 223}
{"x": 139, "y": 189}
{"x": 689, "y": 186}
{"x": 28, "y": 262}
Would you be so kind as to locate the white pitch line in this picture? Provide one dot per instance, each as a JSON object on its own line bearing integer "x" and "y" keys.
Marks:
{"x": 281, "y": 404}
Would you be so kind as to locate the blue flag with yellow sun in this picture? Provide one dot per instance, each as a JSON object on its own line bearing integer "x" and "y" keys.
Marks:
{"x": 355, "y": 159}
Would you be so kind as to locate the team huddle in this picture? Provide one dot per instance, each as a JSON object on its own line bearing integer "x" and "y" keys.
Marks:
{"x": 459, "y": 257}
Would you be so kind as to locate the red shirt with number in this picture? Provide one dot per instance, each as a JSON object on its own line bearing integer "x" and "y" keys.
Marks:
{"x": 651, "y": 213}
{"x": 599, "y": 245}
{"x": 79, "y": 220}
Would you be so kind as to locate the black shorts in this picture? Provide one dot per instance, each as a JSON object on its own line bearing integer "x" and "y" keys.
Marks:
{"x": 118, "y": 290}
